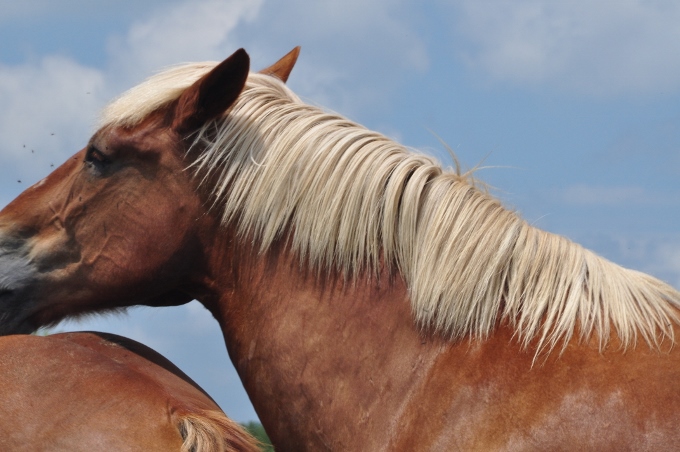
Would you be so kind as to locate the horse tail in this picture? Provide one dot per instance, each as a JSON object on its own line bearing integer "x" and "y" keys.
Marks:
{"x": 212, "y": 431}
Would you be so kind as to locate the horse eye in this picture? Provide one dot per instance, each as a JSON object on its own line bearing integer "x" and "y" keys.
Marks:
{"x": 96, "y": 157}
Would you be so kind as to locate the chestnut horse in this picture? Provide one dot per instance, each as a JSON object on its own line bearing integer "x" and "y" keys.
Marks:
{"x": 102, "y": 392}
{"x": 369, "y": 299}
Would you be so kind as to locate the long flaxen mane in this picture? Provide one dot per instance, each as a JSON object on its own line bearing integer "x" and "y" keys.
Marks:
{"x": 356, "y": 199}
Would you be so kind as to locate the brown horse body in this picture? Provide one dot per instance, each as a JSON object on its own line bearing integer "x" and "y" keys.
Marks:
{"x": 348, "y": 364}
{"x": 97, "y": 391}
{"x": 332, "y": 360}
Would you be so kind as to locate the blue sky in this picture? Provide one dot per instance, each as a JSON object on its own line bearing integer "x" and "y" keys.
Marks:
{"x": 572, "y": 107}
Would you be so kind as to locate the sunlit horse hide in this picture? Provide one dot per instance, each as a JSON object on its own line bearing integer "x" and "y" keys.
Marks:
{"x": 369, "y": 298}
{"x": 101, "y": 392}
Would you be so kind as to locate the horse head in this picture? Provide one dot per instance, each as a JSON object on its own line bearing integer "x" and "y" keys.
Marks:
{"x": 122, "y": 222}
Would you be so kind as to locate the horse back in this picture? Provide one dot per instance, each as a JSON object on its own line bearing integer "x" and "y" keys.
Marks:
{"x": 92, "y": 391}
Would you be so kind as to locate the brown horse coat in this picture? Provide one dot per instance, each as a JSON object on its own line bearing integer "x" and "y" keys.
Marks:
{"x": 102, "y": 392}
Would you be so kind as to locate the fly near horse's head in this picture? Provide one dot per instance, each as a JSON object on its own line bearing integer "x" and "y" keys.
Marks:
{"x": 122, "y": 222}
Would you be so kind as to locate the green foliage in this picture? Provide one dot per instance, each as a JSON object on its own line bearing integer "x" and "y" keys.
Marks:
{"x": 256, "y": 429}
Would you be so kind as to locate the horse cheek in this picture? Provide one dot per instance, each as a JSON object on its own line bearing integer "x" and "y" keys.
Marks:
{"x": 138, "y": 243}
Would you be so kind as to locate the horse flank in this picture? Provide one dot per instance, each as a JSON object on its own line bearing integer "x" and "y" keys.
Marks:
{"x": 355, "y": 199}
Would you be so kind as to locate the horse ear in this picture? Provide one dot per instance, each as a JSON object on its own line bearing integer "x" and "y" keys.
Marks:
{"x": 282, "y": 68}
{"x": 212, "y": 94}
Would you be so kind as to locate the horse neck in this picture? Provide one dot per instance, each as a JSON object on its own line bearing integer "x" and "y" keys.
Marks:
{"x": 300, "y": 343}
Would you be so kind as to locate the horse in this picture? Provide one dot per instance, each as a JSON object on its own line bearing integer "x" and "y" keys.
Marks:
{"x": 369, "y": 298}
{"x": 92, "y": 391}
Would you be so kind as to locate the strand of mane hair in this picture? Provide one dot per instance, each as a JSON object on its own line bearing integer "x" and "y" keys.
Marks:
{"x": 213, "y": 431}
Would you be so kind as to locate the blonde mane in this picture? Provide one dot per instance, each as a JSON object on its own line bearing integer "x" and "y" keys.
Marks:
{"x": 355, "y": 199}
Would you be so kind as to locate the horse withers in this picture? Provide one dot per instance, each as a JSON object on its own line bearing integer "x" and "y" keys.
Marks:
{"x": 369, "y": 298}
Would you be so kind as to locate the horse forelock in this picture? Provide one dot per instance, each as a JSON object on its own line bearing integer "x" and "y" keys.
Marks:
{"x": 159, "y": 90}
{"x": 355, "y": 198}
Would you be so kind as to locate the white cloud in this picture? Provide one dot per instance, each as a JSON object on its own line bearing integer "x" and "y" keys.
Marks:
{"x": 51, "y": 103}
{"x": 189, "y": 31}
{"x": 48, "y": 94}
{"x": 603, "y": 48}
{"x": 355, "y": 53}
{"x": 47, "y": 115}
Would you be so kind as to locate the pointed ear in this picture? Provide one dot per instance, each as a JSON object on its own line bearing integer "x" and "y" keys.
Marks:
{"x": 282, "y": 68}
{"x": 212, "y": 94}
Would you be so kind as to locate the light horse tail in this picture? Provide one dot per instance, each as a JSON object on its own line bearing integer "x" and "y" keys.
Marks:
{"x": 212, "y": 431}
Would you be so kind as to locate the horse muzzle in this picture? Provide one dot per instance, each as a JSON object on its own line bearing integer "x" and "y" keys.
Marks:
{"x": 17, "y": 275}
